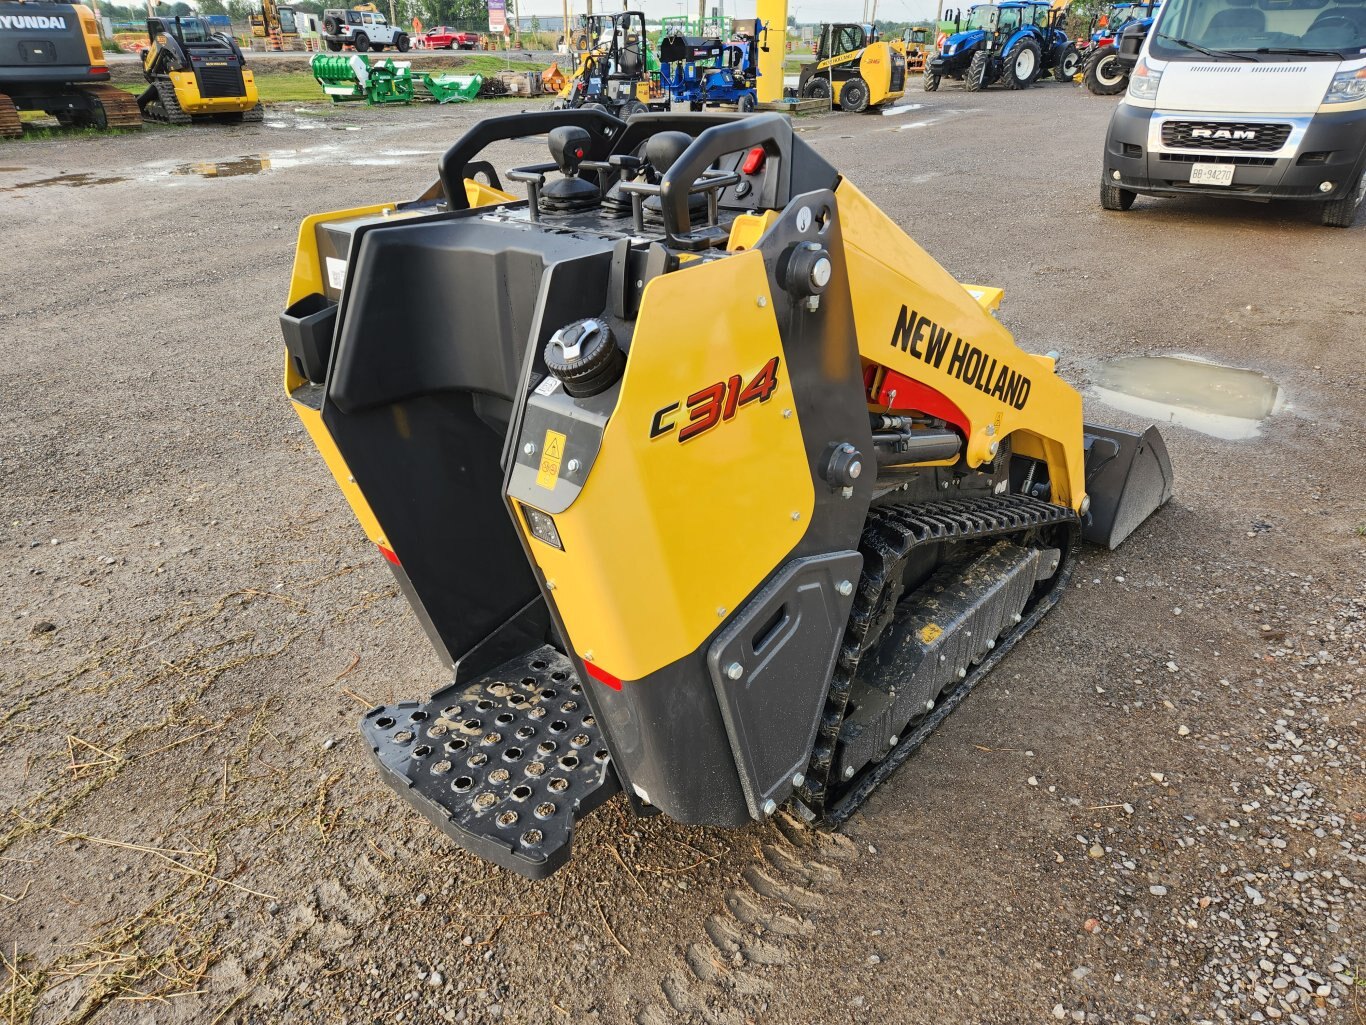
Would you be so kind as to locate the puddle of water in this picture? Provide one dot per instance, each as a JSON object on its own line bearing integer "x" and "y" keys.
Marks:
{"x": 233, "y": 168}
{"x": 901, "y": 108}
{"x": 1221, "y": 401}
{"x": 298, "y": 124}
{"x": 79, "y": 178}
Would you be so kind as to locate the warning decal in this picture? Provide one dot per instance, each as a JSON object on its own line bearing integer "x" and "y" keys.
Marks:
{"x": 551, "y": 455}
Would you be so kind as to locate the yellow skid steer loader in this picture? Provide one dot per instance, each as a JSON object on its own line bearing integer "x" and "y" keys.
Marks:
{"x": 724, "y": 556}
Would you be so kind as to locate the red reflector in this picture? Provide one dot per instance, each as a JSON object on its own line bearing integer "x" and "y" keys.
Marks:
{"x": 602, "y": 676}
{"x": 95, "y": 69}
{"x": 754, "y": 160}
{"x": 388, "y": 554}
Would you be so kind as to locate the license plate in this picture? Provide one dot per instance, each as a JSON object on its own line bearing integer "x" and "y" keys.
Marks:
{"x": 1211, "y": 174}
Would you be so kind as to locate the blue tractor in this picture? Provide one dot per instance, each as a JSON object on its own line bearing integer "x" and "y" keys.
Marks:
{"x": 1105, "y": 69}
{"x": 1014, "y": 43}
{"x": 702, "y": 72}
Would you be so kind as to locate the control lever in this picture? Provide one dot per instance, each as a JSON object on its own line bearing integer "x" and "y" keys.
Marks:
{"x": 662, "y": 151}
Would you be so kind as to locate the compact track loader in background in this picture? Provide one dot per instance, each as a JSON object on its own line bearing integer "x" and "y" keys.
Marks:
{"x": 706, "y": 481}
{"x": 194, "y": 72}
{"x": 51, "y": 60}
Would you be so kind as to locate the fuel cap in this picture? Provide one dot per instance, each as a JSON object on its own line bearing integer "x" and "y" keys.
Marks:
{"x": 584, "y": 357}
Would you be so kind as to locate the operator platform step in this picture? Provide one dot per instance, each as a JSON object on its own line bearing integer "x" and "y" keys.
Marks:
{"x": 504, "y": 764}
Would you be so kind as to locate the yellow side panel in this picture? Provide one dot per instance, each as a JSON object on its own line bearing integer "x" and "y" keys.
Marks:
{"x": 90, "y": 29}
{"x": 307, "y": 279}
{"x": 876, "y": 69}
{"x": 668, "y": 536}
{"x": 894, "y": 283}
{"x": 987, "y": 296}
{"x": 317, "y": 430}
{"x": 307, "y": 276}
{"x": 479, "y": 194}
{"x": 747, "y": 229}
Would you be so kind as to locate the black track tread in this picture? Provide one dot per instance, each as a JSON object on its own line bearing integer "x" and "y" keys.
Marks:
{"x": 888, "y": 538}
{"x": 171, "y": 112}
{"x": 10, "y": 125}
{"x": 120, "y": 107}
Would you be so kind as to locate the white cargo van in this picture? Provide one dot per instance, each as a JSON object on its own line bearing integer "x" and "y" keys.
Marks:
{"x": 1249, "y": 99}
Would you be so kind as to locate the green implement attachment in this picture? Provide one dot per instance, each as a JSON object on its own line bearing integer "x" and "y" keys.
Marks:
{"x": 453, "y": 88}
{"x": 355, "y": 77}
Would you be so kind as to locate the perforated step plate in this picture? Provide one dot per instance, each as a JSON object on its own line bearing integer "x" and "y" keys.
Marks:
{"x": 504, "y": 765}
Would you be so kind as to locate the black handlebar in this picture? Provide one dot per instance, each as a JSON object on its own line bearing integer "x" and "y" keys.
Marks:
{"x": 602, "y": 127}
{"x": 766, "y": 130}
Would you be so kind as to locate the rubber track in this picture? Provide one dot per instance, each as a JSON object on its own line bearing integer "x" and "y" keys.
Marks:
{"x": 10, "y": 125}
{"x": 166, "y": 98}
{"x": 120, "y": 108}
{"x": 888, "y": 538}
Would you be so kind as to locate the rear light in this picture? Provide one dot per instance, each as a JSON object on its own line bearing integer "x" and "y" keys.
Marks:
{"x": 542, "y": 527}
{"x": 754, "y": 160}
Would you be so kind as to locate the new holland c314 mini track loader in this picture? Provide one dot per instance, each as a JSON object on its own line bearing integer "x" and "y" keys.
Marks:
{"x": 705, "y": 480}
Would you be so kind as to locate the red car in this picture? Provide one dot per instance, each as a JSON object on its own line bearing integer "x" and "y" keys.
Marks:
{"x": 445, "y": 38}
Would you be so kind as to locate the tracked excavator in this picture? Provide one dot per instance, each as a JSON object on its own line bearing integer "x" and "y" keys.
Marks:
{"x": 707, "y": 483}
{"x": 51, "y": 60}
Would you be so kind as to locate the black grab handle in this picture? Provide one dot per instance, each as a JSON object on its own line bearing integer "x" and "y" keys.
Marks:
{"x": 602, "y": 127}
{"x": 771, "y": 131}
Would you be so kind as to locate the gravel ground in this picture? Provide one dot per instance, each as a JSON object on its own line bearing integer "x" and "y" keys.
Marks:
{"x": 1153, "y": 811}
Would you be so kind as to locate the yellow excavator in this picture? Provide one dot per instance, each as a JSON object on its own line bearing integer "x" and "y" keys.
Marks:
{"x": 722, "y": 556}
{"x": 51, "y": 60}
{"x": 275, "y": 20}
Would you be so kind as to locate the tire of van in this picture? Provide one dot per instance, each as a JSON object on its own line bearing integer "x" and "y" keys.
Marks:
{"x": 361, "y": 42}
{"x": 402, "y": 43}
{"x": 1340, "y": 213}
{"x": 1112, "y": 197}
